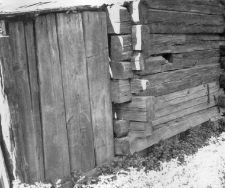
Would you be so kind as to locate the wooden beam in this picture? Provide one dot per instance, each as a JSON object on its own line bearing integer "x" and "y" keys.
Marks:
{"x": 120, "y": 91}
{"x": 139, "y": 109}
{"x": 161, "y": 21}
{"x": 121, "y": 47}
{"x": 169, "y": 82}
{"x": 118, "y": 20}
{"x": 221, "y": 101}
{"x": 121, "y": 128}
{"x": 4, "y": 178}
{"x": 121, "y": 69}
{"x": 122, "y": 146}
{"x": 137, "y": 61}
{"x": 190, "y": 6}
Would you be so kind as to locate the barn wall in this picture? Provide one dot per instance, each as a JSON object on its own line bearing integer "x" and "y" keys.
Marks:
{"x": 55, "y": 86}
{"x": 165, "y": 61}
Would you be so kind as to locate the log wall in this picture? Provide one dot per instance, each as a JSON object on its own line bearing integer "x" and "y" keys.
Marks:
{"x": 166, "y": 64}
{"x": 55, "y": 95}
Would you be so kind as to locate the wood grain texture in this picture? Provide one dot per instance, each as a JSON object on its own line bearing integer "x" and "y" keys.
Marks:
{"x": 173, "y": 128}
{"x": 55, "y": 140}
{"x": 96, "y": 44}
{"x": 121, "y": 128}
{"x": 121, "y": 69}
{"x": 161, "y": 21}
{"x": 161, "y": 43}
{"x": 121, "y": 47}
{"x": 137, "y": 61}
{"x": 169, "y": 82}
{"x": 139, "y": 109}
{"x": 159, "y": 64}
{"x": 120, "y": 91}
{"x": 25, "y": 67}
{"x": 191, "y": 6}
{"x": 4, "y": 179}
{"x": 118, "y": 20}
{"x": 77, "y": 105}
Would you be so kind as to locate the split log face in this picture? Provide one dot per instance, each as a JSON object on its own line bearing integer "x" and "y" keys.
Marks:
{"x": 221, "y": 101}
{"x": 121, "y": 128}
{"x": 121, "y": 69}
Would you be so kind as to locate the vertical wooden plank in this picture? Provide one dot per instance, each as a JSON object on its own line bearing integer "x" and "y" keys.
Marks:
{"x": 36, "y": 167}
{"x": 75, "y": 87}
{"x": 22, "y": 73}
{"x": 95, "y": 34}
{"x": 55, "y": 141}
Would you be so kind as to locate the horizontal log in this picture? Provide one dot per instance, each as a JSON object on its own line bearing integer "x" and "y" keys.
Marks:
{"x": 139, "y": 109}
{"x": 182, "y": 109}
{"x": 118, "y": 20}
{"x": 221, "y": 101}
{"x": 121, "y": 69}
{"x": 169, "y": 82}
{"x": 192, "y": 6}
{"x": 185, "y": 95}
{"x": 161, "y": 43}
{"x": 161, "y": 21}
{"x": 173, "y": 128}
{"x": 158, "y": 64}
{"x": 137, "y": 61}
{"x": 140, "y": 37}
{"x": 121, "y": 128}
{"x": 121, "y": 47}
{"x": 120, "y": 91}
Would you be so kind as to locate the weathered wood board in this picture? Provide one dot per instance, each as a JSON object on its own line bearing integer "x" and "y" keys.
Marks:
{"x": 191, "y": 6}
{"x": 169, "y": 82}
{"x": 96, "y": 44}
{"x": 25, "y": 67}
{"x": 121, "y": 69}
{"x": 161, "y": 21}
{"x": 180, "y": 43}
{"x": 55, "y": 140}
{"x": 118, "y": 20}
{"x": 77, "y": 105}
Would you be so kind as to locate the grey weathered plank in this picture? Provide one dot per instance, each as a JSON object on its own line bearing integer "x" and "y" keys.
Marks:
{"x": 55, "y": 140}
{"x": 161, "y": 21}
{"x": 25, "y": 67}
{"x": 192, "y": 6}
{"x": 36, "y": 167}
{"x": 121, "y": 69}
{"x": 169, "y": 82}
{"x": 121, "y": 128}
{"x": 77, "y": 105}
{"x": 96, "y": 43}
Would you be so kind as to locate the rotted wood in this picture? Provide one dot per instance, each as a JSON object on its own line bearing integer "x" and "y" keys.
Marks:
{"x": 121, "y": 128}
{"x": 120, "y": 91}
{"x": 118, "y": 20}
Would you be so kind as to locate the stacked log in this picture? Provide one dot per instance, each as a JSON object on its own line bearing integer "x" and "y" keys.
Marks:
{"x": 165, "y": 68}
